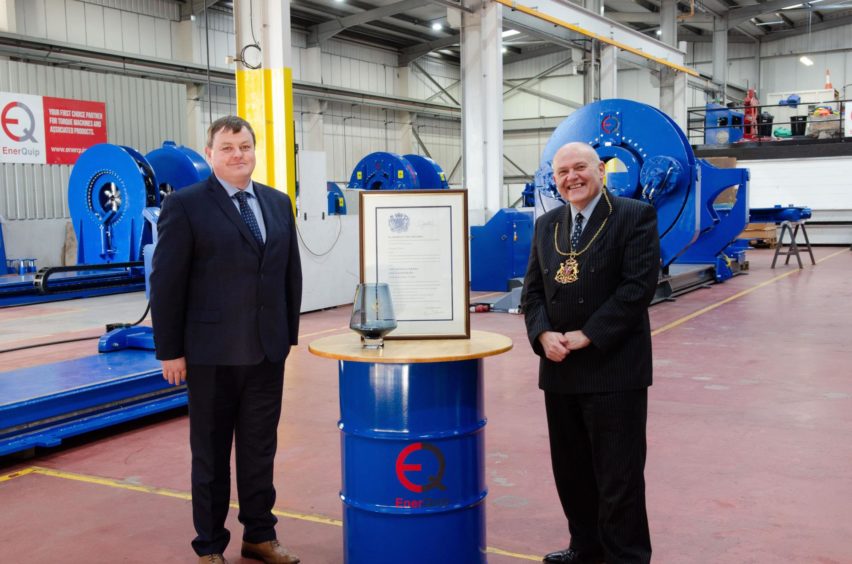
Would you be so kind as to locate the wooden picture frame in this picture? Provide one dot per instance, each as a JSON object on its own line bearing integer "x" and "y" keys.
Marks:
{"x": 416, "y": 241}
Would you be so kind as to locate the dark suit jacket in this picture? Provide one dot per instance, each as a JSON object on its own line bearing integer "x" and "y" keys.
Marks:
{"x": 216, "y": 296}
{"x": 609, "y": 303}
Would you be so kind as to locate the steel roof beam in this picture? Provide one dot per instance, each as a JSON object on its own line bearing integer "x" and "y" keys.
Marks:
{"x": 326, "y": 30}
{"x": 741, "y": 15}
{"x": 411, "y": 54}
{"x": 550, "y": 17}
{"x": 653, "y": 18}
{"x": 828, "y": 24}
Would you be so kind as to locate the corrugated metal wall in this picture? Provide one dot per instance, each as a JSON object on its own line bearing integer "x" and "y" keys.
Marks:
{"x": 140, "y": 114}
{"x": 219, "y": 33}
{"x": 140, "y": 27}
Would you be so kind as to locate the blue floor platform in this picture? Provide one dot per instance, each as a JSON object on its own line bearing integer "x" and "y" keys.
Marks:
{"x": 41, "y": 405}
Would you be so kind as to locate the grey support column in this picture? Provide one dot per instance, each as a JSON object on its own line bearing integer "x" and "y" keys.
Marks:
{"x": 482, "y": 110}
{"x": 609, "y": 72}
{"x": 720, "y": 55}
{"x": 311, "y": 123}
{"x": 672, "y": 83}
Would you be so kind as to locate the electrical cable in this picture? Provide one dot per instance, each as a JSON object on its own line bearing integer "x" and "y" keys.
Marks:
{"x": 64, "y": 341}
{"x": 255, "y": 45}
{"x": 25, "y": 347}
{"x": 333, "y": 244}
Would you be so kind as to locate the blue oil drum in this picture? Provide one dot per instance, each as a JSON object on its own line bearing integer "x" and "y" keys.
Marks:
{"x": 413, "y": 462}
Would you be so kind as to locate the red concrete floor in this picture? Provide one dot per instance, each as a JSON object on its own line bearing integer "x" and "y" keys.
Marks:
{"x": 750, "y": 458}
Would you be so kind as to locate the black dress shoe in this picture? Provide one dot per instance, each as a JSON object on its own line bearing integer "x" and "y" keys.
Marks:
{"x": 573, "y": 556}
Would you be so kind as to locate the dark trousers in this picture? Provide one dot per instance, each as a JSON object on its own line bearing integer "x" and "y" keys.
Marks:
{"x": 240, "y": 405}
{"x": 598, "y": 446}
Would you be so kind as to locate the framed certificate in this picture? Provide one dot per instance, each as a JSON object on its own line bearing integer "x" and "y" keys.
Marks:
{"x": 416, "y": 242}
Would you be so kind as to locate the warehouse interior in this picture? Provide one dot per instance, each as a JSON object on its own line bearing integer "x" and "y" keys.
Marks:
{"x": 731, "y": 117}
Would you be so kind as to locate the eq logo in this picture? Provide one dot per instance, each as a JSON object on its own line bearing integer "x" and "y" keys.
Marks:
{"x": 18, "y": 122}
{"x": 610, "y": 123}
{"x": 410, "y": 467}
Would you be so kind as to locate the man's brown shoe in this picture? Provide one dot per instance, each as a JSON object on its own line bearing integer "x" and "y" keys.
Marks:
{"x": 270, "y": 552}
{"x": 212, "y": 559}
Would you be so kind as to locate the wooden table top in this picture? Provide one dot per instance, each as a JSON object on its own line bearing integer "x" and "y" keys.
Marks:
{"x": 347, "y": 346}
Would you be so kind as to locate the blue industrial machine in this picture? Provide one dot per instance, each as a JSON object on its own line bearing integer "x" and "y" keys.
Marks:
{"x": 654, "y": 162}
{"x": 108, "y": 190}
{"x": 176, "y": 166}
{"x": 336, "y": 199}
{"x": 499, "y": 250}
{"x": 778, "y": 214}
{"x": 2, "y": 248}
{"x": 722, "y": 125}
{"x": 109, "y": 187}
{"x": 389, "y": 171}
{"x": 42, "y": 405}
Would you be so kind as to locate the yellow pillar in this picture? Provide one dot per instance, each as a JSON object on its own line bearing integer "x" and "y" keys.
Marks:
{"x": 265, "y": 94}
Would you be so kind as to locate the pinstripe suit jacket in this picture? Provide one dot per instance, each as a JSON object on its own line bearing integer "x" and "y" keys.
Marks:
{"x": 609, "y": 303}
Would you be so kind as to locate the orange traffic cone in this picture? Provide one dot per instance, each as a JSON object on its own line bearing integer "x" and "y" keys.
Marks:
{"x": 828, "y": 85}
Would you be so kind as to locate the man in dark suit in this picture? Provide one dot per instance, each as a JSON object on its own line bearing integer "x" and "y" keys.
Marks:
{"x": 226, "y": 288}
{"x": 592, "y": 273}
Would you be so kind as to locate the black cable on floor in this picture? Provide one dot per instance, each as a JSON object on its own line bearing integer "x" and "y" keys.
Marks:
{"x": 109, "y": 327}
{"x": 144, "y": 315}
{"x": 25, "y": 347}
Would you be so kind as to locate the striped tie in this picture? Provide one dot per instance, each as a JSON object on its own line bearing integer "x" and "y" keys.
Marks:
{"x": 248, "y": 216}
{"x": 578, "y": 229}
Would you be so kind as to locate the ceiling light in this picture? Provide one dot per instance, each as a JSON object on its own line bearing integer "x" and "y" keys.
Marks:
{"x": 436, "y": 26}
{"x": 770, "y": 23}
{"x": 510, "y": 32}
{"x": 805, "y": 60}
{"x": 505, "y": 50}
{"x": 659, "y": 32}
{"x": 792, "y": 7}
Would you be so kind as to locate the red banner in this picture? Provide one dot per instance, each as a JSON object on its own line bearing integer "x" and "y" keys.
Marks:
{"x": 71, "y": 127}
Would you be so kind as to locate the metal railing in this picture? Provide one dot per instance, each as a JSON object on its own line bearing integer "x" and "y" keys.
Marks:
{"x": 727, "y": 123}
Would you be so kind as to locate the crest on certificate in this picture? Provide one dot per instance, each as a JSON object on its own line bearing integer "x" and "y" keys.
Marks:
{"x": 399, "y": 222}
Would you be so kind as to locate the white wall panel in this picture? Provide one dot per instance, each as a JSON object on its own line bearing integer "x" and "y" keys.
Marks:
{"x": 34, "y": 18}
{"x": 75, "y": 15}
{"x": 56, "y": 23}
{"x": 147, "y": 35}
{"x": 96, "y": 29}
{"x": 130, "y": 32}
{"x": 639, "y": 85}
{"x": 162, "y": 39}
{"x": 113, "y": 34}
{"x": 121, "y": 25}
{"x": 167, "y": 9}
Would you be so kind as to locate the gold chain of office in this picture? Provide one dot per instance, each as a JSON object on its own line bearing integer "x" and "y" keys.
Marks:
{"x": 569, "y": 270}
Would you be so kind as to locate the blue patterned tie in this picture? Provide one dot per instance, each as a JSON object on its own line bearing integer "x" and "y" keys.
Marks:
{"x": 578, "y": 229}
{"x": 248, "y": 217}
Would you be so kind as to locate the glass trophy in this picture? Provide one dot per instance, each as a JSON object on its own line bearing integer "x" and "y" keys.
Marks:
{"x": 372, "y": 314}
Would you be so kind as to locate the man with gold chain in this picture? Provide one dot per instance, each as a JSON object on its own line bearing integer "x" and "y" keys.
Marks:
{"x": 591, "y": 276}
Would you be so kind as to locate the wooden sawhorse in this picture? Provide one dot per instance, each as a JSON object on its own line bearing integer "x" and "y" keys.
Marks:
{"x": 792, "y": 227}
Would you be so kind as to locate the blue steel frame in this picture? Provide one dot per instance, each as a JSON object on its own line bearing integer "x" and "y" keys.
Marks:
{"x": 44, "y": 404}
